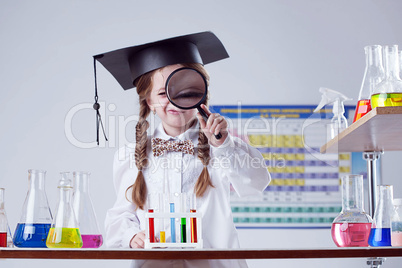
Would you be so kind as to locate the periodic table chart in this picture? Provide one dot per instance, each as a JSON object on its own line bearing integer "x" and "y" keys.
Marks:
{"x": 305, "y": 188}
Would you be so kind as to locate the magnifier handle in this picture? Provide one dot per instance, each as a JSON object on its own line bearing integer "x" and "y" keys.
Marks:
{"x": 205, "y": 116}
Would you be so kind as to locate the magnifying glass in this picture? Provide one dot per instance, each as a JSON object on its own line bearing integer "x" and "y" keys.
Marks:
{"x": 186, "y": 88}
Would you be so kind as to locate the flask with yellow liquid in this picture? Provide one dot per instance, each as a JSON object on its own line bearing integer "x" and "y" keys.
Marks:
{"x": 64, "y": 231}
{"x": 389, "y": 91}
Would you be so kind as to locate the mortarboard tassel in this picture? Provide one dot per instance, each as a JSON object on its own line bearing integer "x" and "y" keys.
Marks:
{"x": 96, "y": 106}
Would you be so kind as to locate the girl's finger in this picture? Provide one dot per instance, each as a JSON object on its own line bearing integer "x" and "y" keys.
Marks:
{"x": 211, "y": 120}
{"x": 215, "y": 123}
{"x": 205, "y": 108}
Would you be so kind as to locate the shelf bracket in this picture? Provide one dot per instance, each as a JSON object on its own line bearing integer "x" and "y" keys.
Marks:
{"x": 371, "y": 158}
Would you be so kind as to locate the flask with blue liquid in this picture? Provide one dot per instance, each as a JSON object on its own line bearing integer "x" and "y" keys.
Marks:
{"x": 380, "y": 234}
{"x": 36, "y": 218}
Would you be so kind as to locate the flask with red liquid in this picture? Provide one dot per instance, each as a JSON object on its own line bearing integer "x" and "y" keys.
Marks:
{"x": 396, "y": 223}
{"x": 373, "y": 74}
{"x": 84, "y": 211}
{"x": 4, "y": 230}
{"x": 351, "y": 228}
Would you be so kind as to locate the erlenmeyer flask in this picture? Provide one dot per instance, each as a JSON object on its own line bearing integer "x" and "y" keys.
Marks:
{"x": 373, "y": 74}
{"x": 84, "y": 212}
{"x": 5, "y": 235}
{"x": 380, "y": 235}
{"x": 64, "y": 232}
{"x": 396, "y": 223}
{"x": 36, "y": 217}
{"x": 389, "y": 91}
{"x": 351, "y": 228}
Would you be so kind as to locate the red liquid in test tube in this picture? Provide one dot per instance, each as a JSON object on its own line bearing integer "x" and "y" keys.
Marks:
{"x": 151, "y": 228}
{"x": 193, "y": 224}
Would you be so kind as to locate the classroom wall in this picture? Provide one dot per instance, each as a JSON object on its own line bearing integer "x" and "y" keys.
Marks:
{"x": 281, "y": 52}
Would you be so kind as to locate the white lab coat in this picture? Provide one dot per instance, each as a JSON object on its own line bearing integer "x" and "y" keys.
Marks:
{"x": 233, "y": 163}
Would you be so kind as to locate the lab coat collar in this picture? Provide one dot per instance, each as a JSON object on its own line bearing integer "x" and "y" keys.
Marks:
{"x": 190, "y": 134}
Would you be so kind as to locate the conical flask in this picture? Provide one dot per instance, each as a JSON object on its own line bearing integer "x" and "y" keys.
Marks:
{"x": 373, "y": 74}
{"x": 396, "y": 223}
{"x": 64, "y": 232}
{"x": 84, "y": 212}
{"x": 389, "y": 91}
{"x": 36, "y": 217}
{"x": 380, "y": 235}
{"x": 5, "y": 234}
{"x": 351, "y": 228}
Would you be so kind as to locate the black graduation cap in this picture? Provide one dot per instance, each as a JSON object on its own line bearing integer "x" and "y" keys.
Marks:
{"x": 128, "y": 64}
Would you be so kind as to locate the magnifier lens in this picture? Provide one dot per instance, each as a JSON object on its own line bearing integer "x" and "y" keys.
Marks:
{"x": 186, "y": 88}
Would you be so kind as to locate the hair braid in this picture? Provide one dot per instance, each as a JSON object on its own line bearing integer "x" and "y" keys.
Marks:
{"x": 204, "y": 180}
{"x": 139, "y": 187}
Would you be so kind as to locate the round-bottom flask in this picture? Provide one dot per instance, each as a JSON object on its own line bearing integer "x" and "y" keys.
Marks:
{"x": 64, "y": 232}
{"x": 351, "y": 228}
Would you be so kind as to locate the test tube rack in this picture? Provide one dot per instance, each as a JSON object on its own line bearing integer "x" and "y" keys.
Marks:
{"x": 177, "y": 216}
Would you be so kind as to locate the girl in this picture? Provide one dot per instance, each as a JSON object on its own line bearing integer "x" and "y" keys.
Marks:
{"x": 209, "y": 172}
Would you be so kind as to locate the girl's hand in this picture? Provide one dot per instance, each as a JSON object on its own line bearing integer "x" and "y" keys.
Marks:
{"x": 215, "y": 124}
{"x": 138, "y": 240}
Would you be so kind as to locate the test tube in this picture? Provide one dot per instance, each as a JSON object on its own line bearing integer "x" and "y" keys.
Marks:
{"x": 153, "y": 207}
{"x": 183, "y": 225}
{"x": 162, "y": 236}
{"x": 172, "y": 224}
{"x": 151, "y": 227}
{"x": 193, "y": 221}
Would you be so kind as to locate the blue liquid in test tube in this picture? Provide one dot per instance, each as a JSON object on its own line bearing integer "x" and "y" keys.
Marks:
{"x": 172, "y": 225}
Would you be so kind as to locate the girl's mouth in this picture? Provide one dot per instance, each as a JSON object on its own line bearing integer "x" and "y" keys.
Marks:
{"x": 174, "y": 112}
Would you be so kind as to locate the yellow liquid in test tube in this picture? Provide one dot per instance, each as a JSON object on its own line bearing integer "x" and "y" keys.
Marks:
{"x": 64, "y": 238}
{"x": 163, "y": 237}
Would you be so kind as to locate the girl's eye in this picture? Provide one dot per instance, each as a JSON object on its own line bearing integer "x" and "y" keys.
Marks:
{"x": 162, "y": 93}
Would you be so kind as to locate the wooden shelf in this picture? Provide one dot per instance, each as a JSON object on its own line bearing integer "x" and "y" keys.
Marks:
{"x": 377, "y": 131}
{"x": 165, "y": 254}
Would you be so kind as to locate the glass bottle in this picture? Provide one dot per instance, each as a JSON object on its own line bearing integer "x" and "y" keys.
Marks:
{"x": 380, "y": 235}
{"x": 84, "y": 211}
{"x": 64, "y": 232}
{"x": 400, "y": 63}
{"x": 373, "y": 74}
{"x": 351, "y": 228}
{"x": 396, "y": 224}
{"x": 389, "y": 91}
{"x": 5, "y": 235}
{"x": 36, "y": 218}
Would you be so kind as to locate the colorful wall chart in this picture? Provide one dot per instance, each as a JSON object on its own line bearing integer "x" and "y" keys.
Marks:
{"x": 305, "y": 189}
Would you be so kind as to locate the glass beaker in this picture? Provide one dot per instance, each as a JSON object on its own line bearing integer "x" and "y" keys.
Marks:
{"x": 396, "y": 223}
{"x": 84, "y": 211}
{"x": 64, "y": 232}
{"x": 36, "y": 218}
{"x": 373, "y": 74}
{"x": 351, "y": 228}
{"x": 380, "y": 234}
{"x": 5, "y": 235}
{"x": 389, "y": 91}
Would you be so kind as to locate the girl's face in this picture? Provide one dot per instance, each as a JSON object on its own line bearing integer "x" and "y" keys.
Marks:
{"x": 174, "y": 120}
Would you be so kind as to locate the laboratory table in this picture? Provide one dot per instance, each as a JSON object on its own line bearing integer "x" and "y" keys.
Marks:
{"x": 158, "y": 254}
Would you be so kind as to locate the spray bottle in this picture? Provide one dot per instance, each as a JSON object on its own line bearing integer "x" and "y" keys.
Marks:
{"x": 338, "y": 121}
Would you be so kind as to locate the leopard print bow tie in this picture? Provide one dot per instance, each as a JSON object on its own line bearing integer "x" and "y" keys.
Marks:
{"x": 160, "y": 146}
